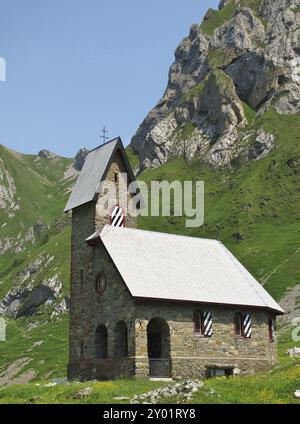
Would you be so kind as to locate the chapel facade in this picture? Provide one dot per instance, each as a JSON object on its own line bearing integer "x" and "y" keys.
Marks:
{"x": 148, "y": 304}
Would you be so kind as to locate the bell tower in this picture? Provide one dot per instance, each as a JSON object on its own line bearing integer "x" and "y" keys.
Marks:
{"x": 105, "y": 166}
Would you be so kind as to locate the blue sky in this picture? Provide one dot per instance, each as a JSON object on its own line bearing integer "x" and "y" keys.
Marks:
{"x": 75, "y": 65}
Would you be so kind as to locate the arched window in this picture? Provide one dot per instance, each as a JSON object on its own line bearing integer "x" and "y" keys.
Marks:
{"x": 271, "y": 330}
{"x": 242, "y": 325}
{"x": 238, "y": 325}
{"x": 198, "y": 323}
{"x": 121, "y": 340}
{"x": 202, "y": 323}
{"x": 101, "y": 342}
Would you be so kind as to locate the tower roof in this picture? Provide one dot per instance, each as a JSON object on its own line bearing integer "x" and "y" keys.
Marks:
{"x": 94, "y": 171}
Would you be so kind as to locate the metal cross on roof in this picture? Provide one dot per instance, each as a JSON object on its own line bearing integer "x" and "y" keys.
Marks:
{"x": 104, "y": 136}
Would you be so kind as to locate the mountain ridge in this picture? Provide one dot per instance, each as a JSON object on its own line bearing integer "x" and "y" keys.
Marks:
{"x": 240, "y": 62}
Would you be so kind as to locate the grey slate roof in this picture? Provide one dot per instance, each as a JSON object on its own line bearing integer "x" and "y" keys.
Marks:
{"x": 166, "y": 266}
{"x": 93, "y": 171}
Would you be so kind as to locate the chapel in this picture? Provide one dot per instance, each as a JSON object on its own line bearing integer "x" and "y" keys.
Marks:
{"x": 157, "y": 305}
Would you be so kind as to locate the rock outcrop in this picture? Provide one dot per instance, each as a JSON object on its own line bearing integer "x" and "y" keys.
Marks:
{"x": 246, "y": 56}
{"x": 30, "y": 290}
{"x": 8, "y": 195}
{"x": 80, "y": 158}
{"x": 25, "y": 300}
{"x": 46, "y": 154}
{"x": 183, "y": 392}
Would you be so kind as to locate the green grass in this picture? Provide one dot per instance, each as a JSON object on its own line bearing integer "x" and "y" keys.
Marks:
{"x": 48, "y": 359}
{"x": 196, "y": 91}
{"x": 220, "y": 57}
{"x": 40, "y": 188}
{"x": 103, "y": 392}
{"x": 132, "y": 157}
{"x": 41, "y": 195}
{"x": 255, "y": 5}
{"x": 185, "y": 131}
{"x": 216, "y": 18}
{"x": 296, "y": 9}
{"x": 249, "y": 113}
{"x": 275, "y": 388}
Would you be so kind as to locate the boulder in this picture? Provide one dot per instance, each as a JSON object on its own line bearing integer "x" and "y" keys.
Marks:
{"x": 294, "y": 351}
{"x": 82, "y": 393}
{"x": 297, "y": 394}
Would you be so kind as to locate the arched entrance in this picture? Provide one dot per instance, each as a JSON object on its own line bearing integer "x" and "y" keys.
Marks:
{"x": 158, "y": 340}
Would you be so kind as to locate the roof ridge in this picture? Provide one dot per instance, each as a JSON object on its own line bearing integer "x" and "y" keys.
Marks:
{"x": 104, "y": 144}
{"x": 160, "y": 233}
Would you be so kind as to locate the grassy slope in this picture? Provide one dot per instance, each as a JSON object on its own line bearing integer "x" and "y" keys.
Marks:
{"x": 39, "y": 186}
{"x": 258, "y": 200}
{"x": 132, "y": 157}
{"x": 41, "y": 193}
{"x": 216, "y": 18}
{"x": 104, "y": 392}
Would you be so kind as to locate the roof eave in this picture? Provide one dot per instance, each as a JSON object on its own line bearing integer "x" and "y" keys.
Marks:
{"x": 276, "y": 311}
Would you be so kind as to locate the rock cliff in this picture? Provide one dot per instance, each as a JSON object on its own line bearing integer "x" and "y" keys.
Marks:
{"x": 239, "y": 62}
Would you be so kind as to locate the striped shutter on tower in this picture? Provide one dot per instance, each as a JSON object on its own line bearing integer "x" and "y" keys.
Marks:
{"x": 117, "y": 218}
{"x": 271, "y": 330}
{"x": 207, "y": 324}
{"x": 247, "y": 326}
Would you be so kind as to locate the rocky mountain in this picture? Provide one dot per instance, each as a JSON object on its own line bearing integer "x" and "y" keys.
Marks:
{"x": 240, "y": 62}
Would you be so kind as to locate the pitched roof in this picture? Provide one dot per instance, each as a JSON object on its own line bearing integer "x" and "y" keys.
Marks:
{"x": 94, "y": 170}
{"x": 166, "y": 266}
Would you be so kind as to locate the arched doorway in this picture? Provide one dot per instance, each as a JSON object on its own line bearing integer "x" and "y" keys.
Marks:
{"x": 158, "y": 339}
{"x": 101, "y": 342}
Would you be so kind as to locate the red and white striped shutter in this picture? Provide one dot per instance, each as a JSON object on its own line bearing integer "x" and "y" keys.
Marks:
{"x": 271, "y": 330}
{"x": 117, "y": 217}
{"x": 247, "y": 326}
{"x": 207, "y": 324}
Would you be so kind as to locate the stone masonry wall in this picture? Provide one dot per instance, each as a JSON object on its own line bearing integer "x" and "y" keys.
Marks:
{"x": 192, "y": 354}
{"x": 91, "y": 310}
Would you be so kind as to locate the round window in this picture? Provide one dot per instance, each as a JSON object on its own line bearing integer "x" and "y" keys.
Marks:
{"x": 100, "y": 283}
